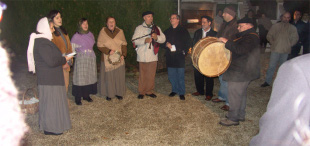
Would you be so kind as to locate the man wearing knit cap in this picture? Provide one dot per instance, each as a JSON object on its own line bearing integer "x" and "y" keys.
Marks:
{"x": 145, "y": 40}
{"x": 244, "y": 67}
{"x": 200, "y": 79}
{"x": 227, "y": 30}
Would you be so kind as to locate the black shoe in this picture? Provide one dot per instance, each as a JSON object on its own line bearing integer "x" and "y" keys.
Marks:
{"x": 140, "y": 96}
{"x": 108, "y": 98}
{"x": 151, "y": 95}
{"x": 172, "y": 94}
{"x": 88, "y": 99}
{"x": 51, "y": 133}
{"x": 265, "y": 84}
{"x": 119, "y": 97}
{"x": 182, "y": 97}
{"x": 78, "y": 100}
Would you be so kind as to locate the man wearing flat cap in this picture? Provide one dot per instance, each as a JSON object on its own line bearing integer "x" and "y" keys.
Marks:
{"x": 244, "y": 67}
{"x": 146, "y": 37}
{"x": 228, "y": 30}
{"x": 201, "y": 79}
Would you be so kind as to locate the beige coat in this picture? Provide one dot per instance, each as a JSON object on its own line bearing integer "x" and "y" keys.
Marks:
{"x": 282, "y": 36}
{"x": 144, "y": 54}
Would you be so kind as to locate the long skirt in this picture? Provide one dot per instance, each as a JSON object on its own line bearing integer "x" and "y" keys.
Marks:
{"x": 84, "y": 76}
{"x": 53, "y": 109}
{"x": 113, "y": 82}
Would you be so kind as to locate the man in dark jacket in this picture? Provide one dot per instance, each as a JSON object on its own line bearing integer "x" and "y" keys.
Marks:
{"x": 177, "y": 43}
{"x": 244, "y": 67}
{"x": 301, "y": 29}
{"x": 203, "y": 32}
{"x": 228, "y": 30}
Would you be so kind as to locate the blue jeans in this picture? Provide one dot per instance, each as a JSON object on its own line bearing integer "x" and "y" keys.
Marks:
{"x": 275, "y": 58}
{"x": 176, "y": 78}
{"x": 223, "y": 92}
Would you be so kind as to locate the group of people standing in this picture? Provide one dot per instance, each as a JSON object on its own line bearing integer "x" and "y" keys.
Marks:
{"x": 50, "y": 54}
{"x": 49, "y": 48}
{"x": 239, "y": 37}
{"x": 286, "y": 38}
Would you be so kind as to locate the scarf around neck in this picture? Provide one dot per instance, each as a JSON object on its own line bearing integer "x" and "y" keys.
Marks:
{"x": 43, "y": 28}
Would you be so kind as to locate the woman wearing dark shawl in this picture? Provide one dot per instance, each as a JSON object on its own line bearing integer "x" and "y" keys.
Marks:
{"x": 46, "y": 60}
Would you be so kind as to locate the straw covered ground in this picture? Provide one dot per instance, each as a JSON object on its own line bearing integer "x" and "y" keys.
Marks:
{"x": 160, "y": 121}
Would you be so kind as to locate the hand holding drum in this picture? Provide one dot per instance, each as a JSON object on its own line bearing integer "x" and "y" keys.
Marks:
{"x": 224, "y": 40}
{"x": 115, "y": 57}
{"x": 210, "y": 57}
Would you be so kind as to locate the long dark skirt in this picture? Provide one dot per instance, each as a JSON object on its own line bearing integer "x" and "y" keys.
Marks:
{"x": 53, "y": 109}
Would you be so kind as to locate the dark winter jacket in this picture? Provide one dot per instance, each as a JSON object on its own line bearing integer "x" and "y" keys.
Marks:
{"x": 245, "y": 63}
{"x": 48, "y": 61}
{"x": 179, "y": 37}
{"x": 198, "y": 35}
{"x": 228, "y": 30}
{"x": 301, "y": 30}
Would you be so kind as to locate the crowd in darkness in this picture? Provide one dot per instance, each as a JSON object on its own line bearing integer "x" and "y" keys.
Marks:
{"x": 50, "y": 55}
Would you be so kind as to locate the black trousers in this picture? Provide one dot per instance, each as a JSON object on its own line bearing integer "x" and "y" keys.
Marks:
{"x": 263, "y": 39}
{"x": 200, "y": 80}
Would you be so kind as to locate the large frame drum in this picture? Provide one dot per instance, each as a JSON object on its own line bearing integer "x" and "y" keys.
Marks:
{"x": 210, "y": 57}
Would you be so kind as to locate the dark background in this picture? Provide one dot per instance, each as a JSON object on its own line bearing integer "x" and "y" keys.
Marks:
{"x": 270, "y": 6}
{"x": 21, "y": 17}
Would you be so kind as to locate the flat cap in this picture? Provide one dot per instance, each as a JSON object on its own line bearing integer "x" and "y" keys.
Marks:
{"x": 147, "y": 12}
{"x": 246, "y": 20}
{"x": 207, "y": 17}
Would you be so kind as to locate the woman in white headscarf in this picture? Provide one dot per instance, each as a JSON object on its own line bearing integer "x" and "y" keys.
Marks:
{"x": 45, "y": 59}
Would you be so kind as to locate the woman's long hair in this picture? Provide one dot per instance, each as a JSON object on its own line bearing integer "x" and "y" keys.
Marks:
{"x": 51, "y": 15}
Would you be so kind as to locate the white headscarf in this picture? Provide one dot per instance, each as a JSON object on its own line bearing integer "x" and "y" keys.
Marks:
{"x": 43, "y": 28}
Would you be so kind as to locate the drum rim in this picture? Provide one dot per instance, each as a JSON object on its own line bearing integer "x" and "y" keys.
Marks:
{"x": 214, "y": 39}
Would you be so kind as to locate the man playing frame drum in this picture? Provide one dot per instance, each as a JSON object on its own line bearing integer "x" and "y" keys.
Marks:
{"x": 245, "y": 67}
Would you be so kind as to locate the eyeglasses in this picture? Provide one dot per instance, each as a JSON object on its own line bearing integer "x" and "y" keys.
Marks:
{"x": 173, "y": 18}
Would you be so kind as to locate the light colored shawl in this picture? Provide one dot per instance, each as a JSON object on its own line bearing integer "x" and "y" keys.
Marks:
{"x": 104, "y": 40}
{"x": 43, "y": 28}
